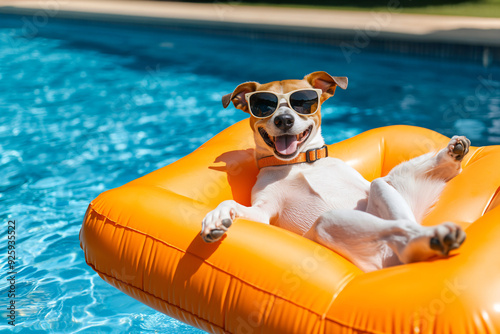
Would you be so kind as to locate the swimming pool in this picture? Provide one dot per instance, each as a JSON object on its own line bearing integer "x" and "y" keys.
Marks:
{"x": 87, "y": 107}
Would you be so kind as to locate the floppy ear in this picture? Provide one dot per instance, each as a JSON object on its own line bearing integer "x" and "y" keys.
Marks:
{"x": 326, "y": 83}
{"x": 238, "y": 95}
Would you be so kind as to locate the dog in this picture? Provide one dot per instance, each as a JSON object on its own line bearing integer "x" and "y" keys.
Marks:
{"x": 300, "y": 188}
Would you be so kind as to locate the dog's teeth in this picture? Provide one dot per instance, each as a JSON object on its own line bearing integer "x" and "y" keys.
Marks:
{"x": 301, "y": 135}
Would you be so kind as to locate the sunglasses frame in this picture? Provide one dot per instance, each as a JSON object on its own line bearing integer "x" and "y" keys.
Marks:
{"x": 286, "y": 97}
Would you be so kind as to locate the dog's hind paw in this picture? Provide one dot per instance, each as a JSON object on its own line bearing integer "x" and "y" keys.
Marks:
{"x": 448, "y": 236}
{"x": 458, "y": 147}
{"x": 433, "y": 241}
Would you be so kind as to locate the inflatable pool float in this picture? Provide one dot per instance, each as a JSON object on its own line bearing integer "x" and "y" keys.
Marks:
{"x": 143, "y": 238}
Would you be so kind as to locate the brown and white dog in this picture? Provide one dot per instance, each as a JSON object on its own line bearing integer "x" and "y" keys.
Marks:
{"x": 374, "y": 225}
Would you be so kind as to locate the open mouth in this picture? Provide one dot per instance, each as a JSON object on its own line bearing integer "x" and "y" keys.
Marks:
{"x": 285, "y": 146}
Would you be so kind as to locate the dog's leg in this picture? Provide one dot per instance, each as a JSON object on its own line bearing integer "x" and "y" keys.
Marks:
{"x": 385, "y": 202}
{"x": 443, "y": 165}
{"x": 217, "y": 221}
{"x": 368, "y": 238}
{"x": 422, "y": 243}
{"x": 421, "y": 180}
{"x": 388, "y": 233}
{"x": 373, "y": 243}
{"x": 360, "y": 237}
{"x": 408, "y": 192}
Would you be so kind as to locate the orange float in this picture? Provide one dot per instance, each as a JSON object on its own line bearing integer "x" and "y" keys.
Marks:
{"x": 143, "y": 238}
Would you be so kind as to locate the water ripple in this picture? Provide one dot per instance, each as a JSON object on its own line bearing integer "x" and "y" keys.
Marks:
{"x": 86, "y": 108}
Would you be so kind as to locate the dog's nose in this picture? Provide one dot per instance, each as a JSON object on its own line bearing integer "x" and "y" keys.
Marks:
{"x": 284, "y": 122}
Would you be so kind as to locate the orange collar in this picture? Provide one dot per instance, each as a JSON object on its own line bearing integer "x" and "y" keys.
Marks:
{"x": 307, "y": 156}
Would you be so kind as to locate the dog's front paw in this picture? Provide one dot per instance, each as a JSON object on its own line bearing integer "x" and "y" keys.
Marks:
{"x": 458, "y": 147}
{"x": 217, "y": 222}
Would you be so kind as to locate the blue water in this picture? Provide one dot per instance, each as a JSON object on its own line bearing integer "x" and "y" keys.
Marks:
{"x": 88, "y": 107}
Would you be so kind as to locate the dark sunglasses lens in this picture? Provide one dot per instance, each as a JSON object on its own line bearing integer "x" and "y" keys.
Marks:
{"x": 263, "y": 104}
{"x": 305, "y": 101}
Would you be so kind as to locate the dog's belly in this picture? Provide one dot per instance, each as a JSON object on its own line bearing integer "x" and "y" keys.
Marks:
{"x": 306, "y": 193}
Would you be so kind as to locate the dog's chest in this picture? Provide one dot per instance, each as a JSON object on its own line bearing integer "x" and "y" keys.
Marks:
{"x": 307, "y": 192}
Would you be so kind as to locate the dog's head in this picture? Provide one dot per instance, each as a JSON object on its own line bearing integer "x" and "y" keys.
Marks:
{"x": 286, "y": 115}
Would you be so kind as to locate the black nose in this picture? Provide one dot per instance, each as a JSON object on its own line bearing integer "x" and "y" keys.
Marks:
{"x": 284, "y": 122}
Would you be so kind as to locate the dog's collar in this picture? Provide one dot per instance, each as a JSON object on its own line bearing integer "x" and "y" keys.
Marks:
{"x": 307, "y": 156}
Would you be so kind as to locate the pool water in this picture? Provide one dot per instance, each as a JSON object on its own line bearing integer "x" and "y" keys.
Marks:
{"x": 85, "y": 107}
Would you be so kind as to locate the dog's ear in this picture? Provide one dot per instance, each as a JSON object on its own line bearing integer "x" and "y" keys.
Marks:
{"x": 238, "y": 95}
{"x": 326, "y": 83}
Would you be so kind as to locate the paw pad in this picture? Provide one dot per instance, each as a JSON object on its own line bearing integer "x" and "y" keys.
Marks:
{"x": 459, "y": 147}
{"x": 227, "y": 222}
{"x": 450, "y": 241}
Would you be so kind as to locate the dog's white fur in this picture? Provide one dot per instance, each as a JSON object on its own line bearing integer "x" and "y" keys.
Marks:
{"x": 374, "y": 225}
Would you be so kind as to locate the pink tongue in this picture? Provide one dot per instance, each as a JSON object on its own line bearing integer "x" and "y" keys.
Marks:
{"x": 286, "y": 144}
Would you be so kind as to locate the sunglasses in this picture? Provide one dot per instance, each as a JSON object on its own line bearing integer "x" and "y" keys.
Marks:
{"x": 303, "y": 101}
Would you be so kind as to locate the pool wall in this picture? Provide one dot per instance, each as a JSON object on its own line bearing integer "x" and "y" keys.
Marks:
{"x": 454, "y": 38}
